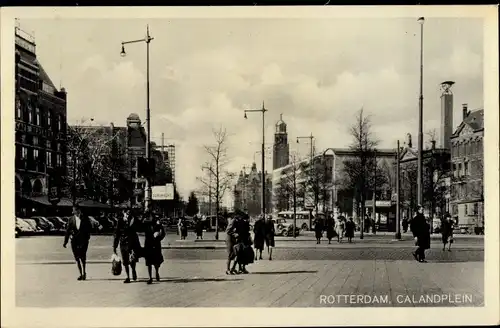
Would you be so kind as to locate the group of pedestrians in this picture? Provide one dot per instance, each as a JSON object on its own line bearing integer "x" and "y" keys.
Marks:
{"x": 126, "y": 238}
{"x": 340, "y": 228}
{"x": 239, "y": 241}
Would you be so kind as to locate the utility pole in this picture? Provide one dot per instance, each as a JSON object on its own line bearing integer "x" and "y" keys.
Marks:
{"x": 398, "y": 197}
{"x": 420, "y": 180}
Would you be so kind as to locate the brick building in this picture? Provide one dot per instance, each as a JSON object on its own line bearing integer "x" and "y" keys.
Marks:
{"x": 248, "y": 191}
{"x": 467, "y": 156}
{"x": 40, "y": 128}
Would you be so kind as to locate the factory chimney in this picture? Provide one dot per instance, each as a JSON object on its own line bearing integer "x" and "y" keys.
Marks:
{"x": 446, "y": 114}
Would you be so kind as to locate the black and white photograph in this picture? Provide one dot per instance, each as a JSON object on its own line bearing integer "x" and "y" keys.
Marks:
{"x": 168, "y": 158}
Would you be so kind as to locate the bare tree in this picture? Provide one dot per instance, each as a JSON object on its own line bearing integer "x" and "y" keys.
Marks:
{"x": 218, "y": 180}
{"x": 289, "y": 189}
{"x": 359, "y": 168}
{"x": 92, "y": 161}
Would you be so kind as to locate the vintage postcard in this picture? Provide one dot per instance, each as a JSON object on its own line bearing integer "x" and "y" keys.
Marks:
{"x": 285, "y": 165}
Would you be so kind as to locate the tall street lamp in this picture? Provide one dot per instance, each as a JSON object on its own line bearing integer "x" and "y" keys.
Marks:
{"x": 311, "y": 142}
{"x": 420, "y": 181}
{"x": 147, "y": 40}
{"x": 263, "y": 110}
{"x": 333, "y": 178}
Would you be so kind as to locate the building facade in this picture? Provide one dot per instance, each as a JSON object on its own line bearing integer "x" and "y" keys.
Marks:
{"x": 467, "y": 157}
{"x": 248, "y": 192}
{"x": 281, "y": 149}
{"x": 40, "y": 128}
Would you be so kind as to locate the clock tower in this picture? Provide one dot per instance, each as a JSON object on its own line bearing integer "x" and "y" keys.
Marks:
{"x": 281, "y": 148}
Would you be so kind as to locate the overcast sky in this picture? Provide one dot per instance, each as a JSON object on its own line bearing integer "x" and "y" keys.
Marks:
{"x": 317, "y": 72}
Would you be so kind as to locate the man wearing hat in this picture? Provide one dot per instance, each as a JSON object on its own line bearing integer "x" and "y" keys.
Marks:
{"x": 421, "y": 232}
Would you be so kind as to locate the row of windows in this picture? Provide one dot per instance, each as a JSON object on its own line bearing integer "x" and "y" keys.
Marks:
{"x": 37, "y": 118}
{"x": 468, "y": 148}
{"x": 37, "y": 141}
{"x": 40, "y": 156}
{"x": 472, "y": 168}
{"x": 469, "y": 209}
{"x": 468, "y": 190}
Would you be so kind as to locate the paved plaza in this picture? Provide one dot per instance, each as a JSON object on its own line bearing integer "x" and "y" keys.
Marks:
{"x": 326, "y": 276}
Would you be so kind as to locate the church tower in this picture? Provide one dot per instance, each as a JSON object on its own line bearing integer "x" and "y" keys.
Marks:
{"x": 281, "y": 148}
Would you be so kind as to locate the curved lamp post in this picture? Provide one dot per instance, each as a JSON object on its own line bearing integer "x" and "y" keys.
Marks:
{"x": 147, "y": 40}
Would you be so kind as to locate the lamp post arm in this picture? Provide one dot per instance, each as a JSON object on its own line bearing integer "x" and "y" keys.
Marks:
{"x": 134, "y": 41}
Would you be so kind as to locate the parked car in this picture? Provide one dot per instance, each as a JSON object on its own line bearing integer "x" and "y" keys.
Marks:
{"x": 34, "y": 226}
{"x": 23, "y": 228}
{"x": 58, "y": 223}
{"x": 44, "y": 224}
{"x": 283, "y": 228}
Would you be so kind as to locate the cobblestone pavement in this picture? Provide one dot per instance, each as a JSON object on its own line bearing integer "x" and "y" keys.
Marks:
{"x": 286, "y": 283}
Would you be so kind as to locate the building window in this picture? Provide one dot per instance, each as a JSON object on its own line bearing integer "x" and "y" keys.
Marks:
{"x": 36, "y": 141}
{"x": 59, "y": 160}
{"x": 465, "y": 209}
{"x": 30, "y": 115}
{"x": 49, "y": 159}
{"x": 49, "y": 120}
{"x": 18, "y": 109}
{"x": 59, "y": 123}
{"x": 35, "y": 154}
{"x": 37, "y": 116}
{"x": 459, "y": 169}
{"x": 24, "y": 153}
{"x": 466, "y": 168}
{"x": 49, "y": 144}
{"x": 59, "y": 146}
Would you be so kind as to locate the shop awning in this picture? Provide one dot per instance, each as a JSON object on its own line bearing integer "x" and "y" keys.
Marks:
{"x": 44, "y": 200}
{"x": 92, "y": 204}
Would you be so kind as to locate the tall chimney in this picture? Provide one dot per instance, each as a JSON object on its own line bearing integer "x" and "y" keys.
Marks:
{"x": 446, "y": 114}
{"x": 465, "y": 113}
{"x": 409, "y": 140}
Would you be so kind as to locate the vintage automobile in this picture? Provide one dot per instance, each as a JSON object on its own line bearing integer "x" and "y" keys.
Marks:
{"x": 283, "y": 228}
{"x": 44, "y": 224}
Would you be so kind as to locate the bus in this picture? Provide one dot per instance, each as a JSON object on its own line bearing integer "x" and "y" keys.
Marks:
{"x": 304, "y": 220}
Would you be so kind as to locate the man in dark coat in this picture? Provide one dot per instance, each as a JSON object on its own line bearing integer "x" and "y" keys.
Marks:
{"x": 130, "y": 247}
{"x": 78, "y": 229}
{"x": 421, "y": 232}
{"x": 243, "y": 243}
{"x": 153, "y": 233}
{"x": 447, "y": 231}
{"x": 259, "y": 230}
{"x": 318, "y": 229}
{"x": 270, "y": 232}
{"x": 350, "y": 227}
{"x": 330, "y": 229}
{"x": 198, "y": 227}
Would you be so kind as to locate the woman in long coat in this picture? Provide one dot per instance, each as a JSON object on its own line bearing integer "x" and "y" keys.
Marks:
{"x": 269, "y": 236}
{"x": 318, "y": 228}
{"x": 340, "y": 228}
{"x": 350, "y": 227}
{"x": 231, "y": 235}
{"x": 330, "y": 229}
{"x": 421, "y": 232}
{"x": 243, "y": 242}
{"x": 130, "y": 247}
{"x": 154, "y": 234}
{"x": 447, "y": 232}
{"x": 259, "y": 230}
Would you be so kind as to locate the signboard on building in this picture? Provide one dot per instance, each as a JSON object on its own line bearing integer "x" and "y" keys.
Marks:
{"x": 165, "y": 192}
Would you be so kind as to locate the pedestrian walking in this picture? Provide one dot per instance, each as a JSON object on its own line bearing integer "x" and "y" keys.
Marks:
{"x": 184, "y": 228}
{"x": 340, "y": 228}
{"x": 231, "y": 235}
{"x": 243, "y": 247}
{"x": 154, "y": 234}
{"x": 198, "y": 227}
{"x": 127, "y": 238}
{"x": 318, "y": 229}
{"x": 447, "y": 231}
{"x": 350, "y": 227}
{"x": 259, "y": 236}
{"x": 330, "y": 229}
{"x": 270, "y": 232}
{"x": 421, "y": 232}
{"x": 79, "y": 230}
{"x": 405, "y": 225}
